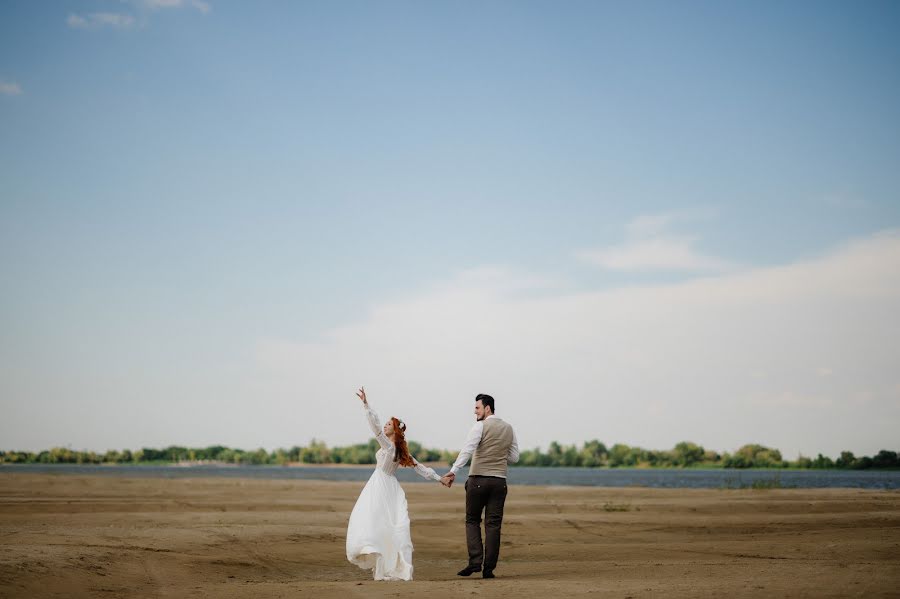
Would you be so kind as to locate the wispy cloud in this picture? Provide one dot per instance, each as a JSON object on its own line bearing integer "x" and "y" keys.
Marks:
{"x": 157, "y": 4}
{"x": 200, "y": 5}
{"x": 649, "y": 224}
{"x": 650, "y": 246}
{"x": 10, "y": 88}
{"x": 662, "y": 253}
{"x": 100, "y": 20}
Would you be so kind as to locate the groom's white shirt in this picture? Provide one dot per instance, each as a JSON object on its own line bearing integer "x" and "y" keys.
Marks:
{"x": 472, "y": 442}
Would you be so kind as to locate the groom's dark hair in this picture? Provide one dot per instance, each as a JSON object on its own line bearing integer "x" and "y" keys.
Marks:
{"x": 487, "y": 401}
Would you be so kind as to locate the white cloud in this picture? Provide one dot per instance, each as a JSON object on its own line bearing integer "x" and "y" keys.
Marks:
{"x": 98, "y": 20}
{"x": 649, "y": 224}
{"x": 651, "y": 247}
{"x": 200, "y": 5}
{"x": 157, "y": 4}
{"x": 648, "y": 366}
{"x": 77, "y": 21}
{"x": 124, "y": 21}
{"x": 10, "y": 88}
{"x": 722, "y": 360}
{"x": 660, "y": 253}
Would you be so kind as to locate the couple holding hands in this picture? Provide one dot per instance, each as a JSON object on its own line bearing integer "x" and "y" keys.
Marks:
{"x": 378, "y": 536}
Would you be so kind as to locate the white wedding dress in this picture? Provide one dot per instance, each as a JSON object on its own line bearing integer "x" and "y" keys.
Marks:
{"x": 378, "y": 536}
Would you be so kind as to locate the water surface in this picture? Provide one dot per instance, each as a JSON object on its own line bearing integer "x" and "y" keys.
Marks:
{"x": 590, "y": 477}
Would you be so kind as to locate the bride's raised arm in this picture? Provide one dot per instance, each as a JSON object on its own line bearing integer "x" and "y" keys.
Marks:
{"x": 374, "y": 423}
{"x": 426, "y": 472}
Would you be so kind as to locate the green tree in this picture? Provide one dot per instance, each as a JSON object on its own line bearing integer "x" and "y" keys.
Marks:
{"x": 621, "y": 455}
{"x": 885, "y": 459}
{"x": 593, "y": 454}
{"x": 687, "y": 453}
{"x": 846, "y": 460}
{"x": 280, "y": 457}
{"x": 822, "y": 462}
{"x": 316, "y": 453}
{"x": 804, "y": 462}
{"x": 754, "y": 456}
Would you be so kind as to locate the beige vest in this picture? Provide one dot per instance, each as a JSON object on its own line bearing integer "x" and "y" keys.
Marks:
{"x": 489, "y": 458}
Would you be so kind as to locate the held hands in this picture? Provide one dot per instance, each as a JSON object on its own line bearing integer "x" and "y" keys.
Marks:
{"x": 362, "y": 395}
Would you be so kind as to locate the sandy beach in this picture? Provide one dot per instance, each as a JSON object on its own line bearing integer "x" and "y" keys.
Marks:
{"x": 103, "y": 536}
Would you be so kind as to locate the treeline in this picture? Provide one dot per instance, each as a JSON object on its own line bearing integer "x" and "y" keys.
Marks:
{"x": 592, "y": 454}
{"x": 315, "y": 453}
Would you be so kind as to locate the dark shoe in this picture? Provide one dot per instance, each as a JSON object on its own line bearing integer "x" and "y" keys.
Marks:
{"x": 468, "y": 571}
{"x": 488, "y": 574}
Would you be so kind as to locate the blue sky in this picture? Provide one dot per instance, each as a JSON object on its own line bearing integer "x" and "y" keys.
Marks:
{"x": 193, "y": 194}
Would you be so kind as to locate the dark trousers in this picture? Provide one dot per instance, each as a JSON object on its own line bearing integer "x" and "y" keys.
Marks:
{"x": 484, "y": 494}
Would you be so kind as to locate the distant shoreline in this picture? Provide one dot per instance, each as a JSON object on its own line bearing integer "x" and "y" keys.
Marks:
{"x": 712, "y": 478}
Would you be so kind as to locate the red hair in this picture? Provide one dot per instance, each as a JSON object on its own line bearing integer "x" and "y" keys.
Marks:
{"x": 402, "y": 451}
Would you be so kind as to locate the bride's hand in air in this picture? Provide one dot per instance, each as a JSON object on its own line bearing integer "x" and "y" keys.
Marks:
{"x": 362, "y": 395}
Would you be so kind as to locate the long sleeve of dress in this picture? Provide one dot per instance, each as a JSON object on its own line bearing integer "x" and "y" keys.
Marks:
{"x": 426, "y": 472}
{"x": 375, "y": 425}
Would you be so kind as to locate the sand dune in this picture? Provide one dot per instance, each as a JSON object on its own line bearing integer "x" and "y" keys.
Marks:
{"x": 89, "y": 536}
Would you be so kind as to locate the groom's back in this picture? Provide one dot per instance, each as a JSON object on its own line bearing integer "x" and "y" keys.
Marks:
{"x": 489, "y": 458}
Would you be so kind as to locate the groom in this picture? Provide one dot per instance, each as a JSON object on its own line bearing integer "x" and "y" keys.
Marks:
{"x": 492, "y": 445}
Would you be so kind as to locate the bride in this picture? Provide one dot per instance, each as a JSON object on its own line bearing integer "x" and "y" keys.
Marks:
{"x": 378, "y": 533}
